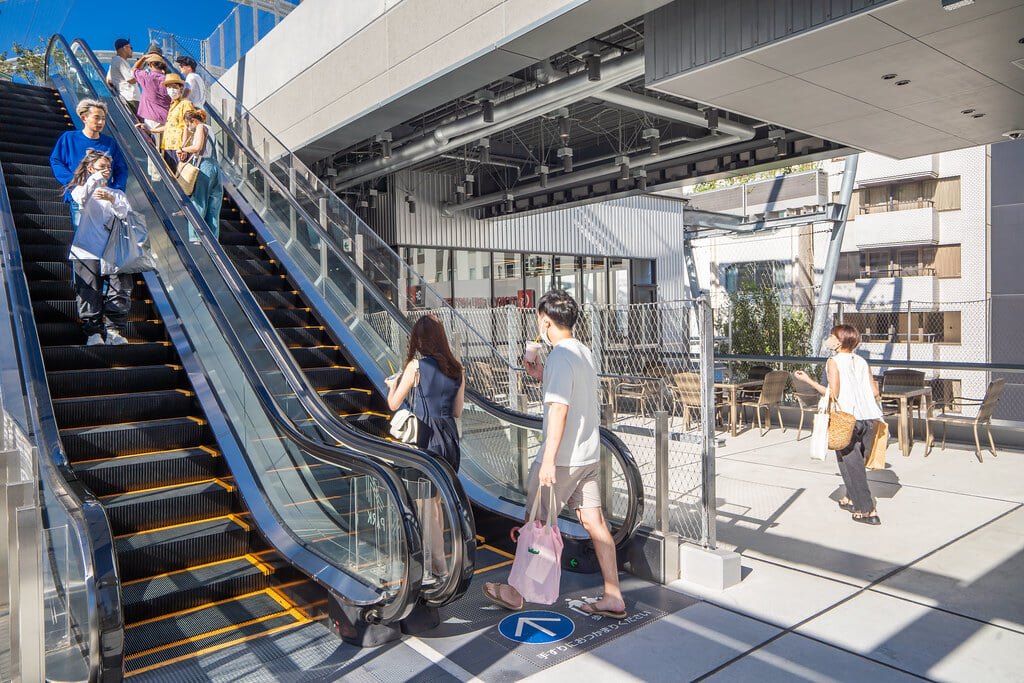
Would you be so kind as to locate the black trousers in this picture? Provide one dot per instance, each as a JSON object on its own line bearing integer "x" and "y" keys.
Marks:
{"x": 103, "y": 300}
{"x": 851, "y": 465}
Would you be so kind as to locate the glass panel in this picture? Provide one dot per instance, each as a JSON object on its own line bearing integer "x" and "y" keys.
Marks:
{"x": 508, "y": 278}
{"x": 595, "y": 281}
{"x": 538, "y": 279}
{"x": 472, "y": 280}
{"x": 566, "y": 275}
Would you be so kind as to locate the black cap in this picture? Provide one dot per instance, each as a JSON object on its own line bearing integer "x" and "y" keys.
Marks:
{"x": 121, "y": 42}
{"x": 185, "y": 60}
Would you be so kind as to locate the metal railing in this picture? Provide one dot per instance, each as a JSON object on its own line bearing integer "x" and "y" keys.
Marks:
{"x": 893, "y": 205}
{"x": 896, "y": 271}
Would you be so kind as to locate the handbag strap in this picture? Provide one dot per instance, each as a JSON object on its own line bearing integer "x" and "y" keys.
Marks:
{"x": 550, "y": 521}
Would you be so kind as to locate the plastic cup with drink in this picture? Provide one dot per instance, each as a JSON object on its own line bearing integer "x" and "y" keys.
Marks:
{"x": 532, "y": 350}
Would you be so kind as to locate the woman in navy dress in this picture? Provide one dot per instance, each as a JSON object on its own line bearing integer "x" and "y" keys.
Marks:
{"x": 438, "y": 385}
{"x": 438, "y": 388}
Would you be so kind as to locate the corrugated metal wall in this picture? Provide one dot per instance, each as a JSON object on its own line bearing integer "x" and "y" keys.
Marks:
{"x": 688, "y": 34}
{"x": 632, "y": 227}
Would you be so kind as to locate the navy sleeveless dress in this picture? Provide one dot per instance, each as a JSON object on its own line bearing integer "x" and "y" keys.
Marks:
{"x": 434, "y": 397}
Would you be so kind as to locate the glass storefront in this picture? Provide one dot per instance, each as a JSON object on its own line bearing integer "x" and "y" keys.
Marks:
{"x": 484, "y": 279}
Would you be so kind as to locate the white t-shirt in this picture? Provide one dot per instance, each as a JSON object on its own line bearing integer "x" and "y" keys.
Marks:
{"x": 196, "y": 90}
{"x": 855, "y": 393}
{"x": 119, "y": 74}
{"x": 570, "y": 379}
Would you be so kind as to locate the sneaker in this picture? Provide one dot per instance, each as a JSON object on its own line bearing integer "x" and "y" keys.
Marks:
{"x": 114, "y": 338}
{"x": 94, "y": 340}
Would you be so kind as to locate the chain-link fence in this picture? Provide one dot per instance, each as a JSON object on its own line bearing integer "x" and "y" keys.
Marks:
{"x": 242, "y": 29}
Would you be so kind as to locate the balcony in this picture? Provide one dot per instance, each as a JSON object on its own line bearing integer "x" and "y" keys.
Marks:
{"x": 897, "y": 271}
{"x": 886, "y": 207}
{"x": 874, "y": 169}
{"x": 894, "y": 224}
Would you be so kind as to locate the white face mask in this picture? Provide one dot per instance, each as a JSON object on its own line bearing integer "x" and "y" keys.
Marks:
{"x": 173, "y": 93}
{"x": 832, "y": 344}
{"x": 544, "y": 336}
{"x": 98, "y": 178}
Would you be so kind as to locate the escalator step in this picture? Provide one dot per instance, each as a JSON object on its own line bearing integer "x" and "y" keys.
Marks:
{"x": 9, "y": 114}
{"x": 289, "y": 299}
{"x": 318, "y": 356}
{"x": 243, "y": 251}
{"x": 30, "y": 181}
{"x": 29, "y": 168}
{"x": 39, "y": 252}
{"x": 24, "y": 145}
{"x": 27, "y": 221}
{"x": 348, "y": 401}
{"x": 48, "y": 194}
{"x": 304, "y": 336}
{"x": 236, "y": 238}
{"x": 61, "y": 234}
{"x": 90, "y": 443}
{"x": 65, "y": 289}
{"x": 190, "y": 588}
{"x": 290, "y": 317}
{"x": 340, "y": 377}
{"x": 54, "y": 208}
{"x": 62, "y": 334}
{"x": 376, "y": 425}
{"x": 267, "y": 282}
{"x": 141, "y": 511}
{"x": 257, "y": 267}
{"x": 19, "y": 158}
{"x": 52, "y": 311}
{"x": 179, "y": 547}
{"x": 102, "y": 357}
{"x": 48, "y": 270}
{"x": 39, "y": 131}
{"x": 186, "y": 645}
{"x": 95, "y": 410}
{"x": 148, "y": 470}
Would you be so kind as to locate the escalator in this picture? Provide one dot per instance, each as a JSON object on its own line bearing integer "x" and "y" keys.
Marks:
{"x": 195, "y": 575}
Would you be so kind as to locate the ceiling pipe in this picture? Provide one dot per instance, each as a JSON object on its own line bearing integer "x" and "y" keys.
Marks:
{"x": 670, "y": 111}
{"x": 507, "y": 114}
{"x": 598, "y": 173}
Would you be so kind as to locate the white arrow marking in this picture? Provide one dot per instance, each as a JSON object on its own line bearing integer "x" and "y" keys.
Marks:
{"x": 532, "y": 621}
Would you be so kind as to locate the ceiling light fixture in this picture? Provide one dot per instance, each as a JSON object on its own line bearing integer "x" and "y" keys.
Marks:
{"x": 594, "y": 68}
{"x": 563, "y": 127}
{"x": 484, "y": 149}
{"x": 640, "y": 176}
{"x": 385, "y": 144}
{"x": 950, "y": 5}
{"x": 653, "y": 138}
{"x": 510, "y": 203}
{"x": 411, "y": 202}
{"x": 486, "y": 100}
{"x": 542, "y": 172}
{"x": 565, "y": 154}
{"x": 460, "y": 194}
{"x": 623, "y": 162}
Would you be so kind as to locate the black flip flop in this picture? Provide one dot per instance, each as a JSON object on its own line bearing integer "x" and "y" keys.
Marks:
{"x": 871, "y": 520}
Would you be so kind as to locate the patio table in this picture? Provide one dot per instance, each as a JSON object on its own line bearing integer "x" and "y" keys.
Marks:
{"x": 906, "y": 430}
{"x": 734, "y": 388}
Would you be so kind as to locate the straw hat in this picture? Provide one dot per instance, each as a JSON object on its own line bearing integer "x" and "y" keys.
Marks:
{"x": 173, "y": 79}
{"x": 153, "y": 59}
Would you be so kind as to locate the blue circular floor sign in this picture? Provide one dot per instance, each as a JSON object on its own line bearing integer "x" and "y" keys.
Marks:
{"x": 536, "y": 627}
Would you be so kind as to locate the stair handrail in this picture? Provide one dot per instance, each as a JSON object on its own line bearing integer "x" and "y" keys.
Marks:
{"x": 635, "y": 502}
{"x": 105, "y": 632}
{"x": 441, "y": 475}
{"x": 332, "y": 576}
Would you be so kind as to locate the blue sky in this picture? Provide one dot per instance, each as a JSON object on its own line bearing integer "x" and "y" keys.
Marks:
{"x": 101, "y": 22}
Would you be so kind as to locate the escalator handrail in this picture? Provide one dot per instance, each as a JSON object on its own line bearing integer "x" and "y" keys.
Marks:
{"x": 105, "y": 649}
{"x": 441, "y": 475}
{"x": 621, "y": 451}
{"x": 327, "y": 573}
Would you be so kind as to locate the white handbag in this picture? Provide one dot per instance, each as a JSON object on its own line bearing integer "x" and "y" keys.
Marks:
{"x": 405, "y": 426}
{"x": 819, "y": 433}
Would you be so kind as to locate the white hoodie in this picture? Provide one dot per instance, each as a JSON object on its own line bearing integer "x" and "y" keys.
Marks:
{"x": 94, "y": 225}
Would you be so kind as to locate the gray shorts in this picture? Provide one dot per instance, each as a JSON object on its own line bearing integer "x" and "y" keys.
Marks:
{"x": 575, "y": 487}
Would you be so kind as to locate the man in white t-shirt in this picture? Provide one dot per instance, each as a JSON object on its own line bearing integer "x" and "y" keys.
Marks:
{"x": 120, "y": 74}
{"x": 570, "y": 459}
{"x": 195, "y": 89}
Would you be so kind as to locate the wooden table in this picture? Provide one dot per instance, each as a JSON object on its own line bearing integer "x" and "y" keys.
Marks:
{"x": 734, "y": 388}
{"x": 906, "y": 429}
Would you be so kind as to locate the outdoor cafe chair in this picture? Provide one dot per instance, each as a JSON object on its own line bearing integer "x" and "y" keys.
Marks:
{"x": 685, "y": 390}
{"x": 808, "y": 398}
{"x": 902, "y": 378}
{"x": 986, "y": 406}
{"x": 771, "y": 395}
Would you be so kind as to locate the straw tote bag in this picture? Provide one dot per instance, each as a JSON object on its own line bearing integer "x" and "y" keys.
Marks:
{"x": 186, "y": 176}
{"x": 840, "y": 427}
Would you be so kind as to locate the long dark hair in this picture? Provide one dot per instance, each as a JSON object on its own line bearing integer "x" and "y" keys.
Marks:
{"x": 81, "y": 173}
{"x": 428, "y": 338}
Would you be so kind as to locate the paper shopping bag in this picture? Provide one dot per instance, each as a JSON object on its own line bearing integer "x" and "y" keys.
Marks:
{"x": 876, "y": 459}
{"x": 537, "y": 569}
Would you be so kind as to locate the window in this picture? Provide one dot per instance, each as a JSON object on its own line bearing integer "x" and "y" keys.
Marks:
{"x": 538, "y": 278}
{"x": 941, "y": 193}
{"x": 472, "y": 279}
{"x": 735, "y": 277}
{"x": 914, "y": 261}
{"x": 897, "y": 327}
{"x": 434, "y": 266}
{"x": 508, "y": 278}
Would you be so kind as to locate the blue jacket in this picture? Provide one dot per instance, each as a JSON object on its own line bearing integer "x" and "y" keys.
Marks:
{"x": 70, "y": 150}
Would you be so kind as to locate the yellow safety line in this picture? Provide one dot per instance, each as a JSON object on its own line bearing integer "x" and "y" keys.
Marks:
{"x": 260, "y": 564}
{"x": 197, "y": 608}
{"x": 496, "y": 550}
{"x": 164, "y": 488}
{"x": 232, "y": 517}
{"x": 217, "y": 647}
{"x": 493, "y": 566}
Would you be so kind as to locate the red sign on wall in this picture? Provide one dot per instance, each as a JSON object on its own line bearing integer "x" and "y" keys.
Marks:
{"x": 524, "y": 298}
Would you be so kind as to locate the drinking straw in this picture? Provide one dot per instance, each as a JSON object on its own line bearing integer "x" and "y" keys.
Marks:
{"x": 391, "y": 366}
{"x": 537, "y": 339}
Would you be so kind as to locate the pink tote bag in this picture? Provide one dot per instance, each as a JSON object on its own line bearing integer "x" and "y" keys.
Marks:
{"x": 537, "y": 570}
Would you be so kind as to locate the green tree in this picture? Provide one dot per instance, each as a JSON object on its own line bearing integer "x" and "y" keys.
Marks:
{"x": 27, "y": 62}
{"x": 754, "y": 312}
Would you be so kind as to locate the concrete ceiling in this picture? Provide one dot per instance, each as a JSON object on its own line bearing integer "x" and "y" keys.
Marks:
{"x": 828, "y": 82}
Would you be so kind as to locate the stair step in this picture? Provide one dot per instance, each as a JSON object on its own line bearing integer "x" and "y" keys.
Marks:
{"x": 53, "y": 208}
{"x": 48, "y": 270}
{"x": 49, "y": 194}
{"x": 35, "y": 169}
{"x": 108, "y": 476}
{"x": 257, "y": 267}
{"x": 13, "y": 114}
{"x": 97, "y": 381}
{"x": 179, "y": 547}
{"x": 267, "y": 282}
{"x": 61, "y": 234}
{"x": 243, "y": 251}
{"x": 228, "y": 238}
{"x": 90, "y": 443}
{"x": 42, "y": 221}
{"x": 348, "y": 401}
{"x": 218, "y": 625}
{"x": 291, "y": 317}
{"x": 194, "y": 587}
{"x": 141, "y": 511}
{"x": 31, "y": 181}
{"x": 332, "y": 378}
{"x": 377, "y": 425}
{"x": 85, "y": 411}
{"x": 318, "y": 356}
{"x": 289, "y": 299}
{"x": 26, "y": 145}
{"x": 37, "y": 130}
